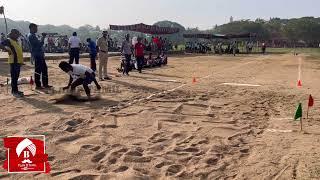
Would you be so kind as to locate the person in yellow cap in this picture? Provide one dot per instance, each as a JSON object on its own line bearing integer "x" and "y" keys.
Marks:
{"x": 15, "y": 60}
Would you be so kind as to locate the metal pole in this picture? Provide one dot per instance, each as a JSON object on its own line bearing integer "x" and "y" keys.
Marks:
{"x": 5, "y": 19}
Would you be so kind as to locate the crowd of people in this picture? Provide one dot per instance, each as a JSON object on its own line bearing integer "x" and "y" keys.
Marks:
{"x": 193, "y": 47}
{"x": 133, "y": 52}
{"x": 222, "y": 47}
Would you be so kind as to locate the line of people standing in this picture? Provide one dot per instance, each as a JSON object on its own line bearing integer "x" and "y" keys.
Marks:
{"x": 128, "y": 49}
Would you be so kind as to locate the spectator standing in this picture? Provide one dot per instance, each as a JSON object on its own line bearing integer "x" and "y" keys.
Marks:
{"x": 74, "y": 48}
{"x": 102, "y": 44}
{"x": 37, "y": 53}
{"x": 93, "y": 53}
{"x": 15, "y": 60}
{"x": 126, "y": 50}
{"x": 139, "y": 53}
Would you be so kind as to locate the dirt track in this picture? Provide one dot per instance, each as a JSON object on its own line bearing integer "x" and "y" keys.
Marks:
{"x": 184, "y": 130}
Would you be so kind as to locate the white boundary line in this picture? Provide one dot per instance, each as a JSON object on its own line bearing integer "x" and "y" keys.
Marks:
{"x": 237, "y": 84}
{"x": 176, "y": 88}
{"x": 299, "y": 68}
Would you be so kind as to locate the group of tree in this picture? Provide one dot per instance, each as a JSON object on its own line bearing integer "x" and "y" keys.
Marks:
{"x": 305, "y": 29}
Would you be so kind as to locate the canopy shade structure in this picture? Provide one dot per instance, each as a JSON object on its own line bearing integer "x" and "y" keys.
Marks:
{"x": 220, "y": 36}
{"x": 205, "y": 36}
{"x": 147, "y": 29}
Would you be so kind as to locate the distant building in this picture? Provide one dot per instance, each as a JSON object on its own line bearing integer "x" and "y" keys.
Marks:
{"x": 231, "y": 19}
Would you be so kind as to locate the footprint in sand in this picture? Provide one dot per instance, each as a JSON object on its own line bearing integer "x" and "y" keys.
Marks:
{"x": 212, "y": 161}
{"x": 68, "y": 139}
{"x": 96, "y": 158}
{"x": 44, "y": 124}
{"x": 91, "y": 147}
{"x": 137, "y": 159}
{"x": 174, "y": 169}
{"x": 84, "y": 177}
{"x": 157, "y": 138}
{"x": 121, "y": 169}
{"x": 63, "y": 172}
{"x": 74, "y": 122}
{"x": 162, "y": 164}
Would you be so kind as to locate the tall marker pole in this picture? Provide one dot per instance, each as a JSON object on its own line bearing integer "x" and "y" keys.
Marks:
{"x": 5, "y": 19}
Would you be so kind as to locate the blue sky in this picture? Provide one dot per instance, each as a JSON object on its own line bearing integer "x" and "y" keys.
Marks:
{"x": 190, "y": 13}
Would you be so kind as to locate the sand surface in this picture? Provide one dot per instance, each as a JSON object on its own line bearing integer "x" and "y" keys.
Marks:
{"x": 160, "y": 125}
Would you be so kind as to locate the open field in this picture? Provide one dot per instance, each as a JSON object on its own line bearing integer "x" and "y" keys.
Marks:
{"x": 170, "y": 128}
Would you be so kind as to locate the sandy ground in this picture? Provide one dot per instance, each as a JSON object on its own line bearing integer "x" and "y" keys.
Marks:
{"x": 160, "y": 125}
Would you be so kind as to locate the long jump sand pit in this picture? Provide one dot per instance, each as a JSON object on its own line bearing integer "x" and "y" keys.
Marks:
{"x": 175, "y": 128}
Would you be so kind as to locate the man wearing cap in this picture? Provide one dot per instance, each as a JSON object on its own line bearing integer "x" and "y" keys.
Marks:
{"x": 102, "y": 46}
{"x": 15, "y": 60}
{"x": 37, "y": 52}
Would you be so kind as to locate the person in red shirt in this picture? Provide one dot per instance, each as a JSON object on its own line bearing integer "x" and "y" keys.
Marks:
{"x": 139, "y": 53}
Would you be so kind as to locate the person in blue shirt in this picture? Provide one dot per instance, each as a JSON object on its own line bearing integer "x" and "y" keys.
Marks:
{"x": 93, "y": 53}
{"x": 37, "y": 53}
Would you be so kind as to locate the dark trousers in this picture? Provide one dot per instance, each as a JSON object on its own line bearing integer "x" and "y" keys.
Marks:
{"x": 93, "y": 64}
{"x": 140, "y": 60}
{"x": 79, "y": 82}
{"x": 74, "y": 55}
{"x": 15, "y": 73}
{"x": 127, "y": 64}
{"x": 41, "y": 71}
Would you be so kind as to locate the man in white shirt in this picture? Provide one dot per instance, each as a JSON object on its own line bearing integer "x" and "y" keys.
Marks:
{"x": 79, "y": 75}
{"x": 102, "y": 44}
{"x": 126, "y": 50}
{"x": 74, "y": 48}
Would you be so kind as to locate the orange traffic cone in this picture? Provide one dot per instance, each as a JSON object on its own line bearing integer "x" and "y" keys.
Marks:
{"x": 299, "y": 83}
{"x": 31, "y": 82}
{"x": 194, "y": 80}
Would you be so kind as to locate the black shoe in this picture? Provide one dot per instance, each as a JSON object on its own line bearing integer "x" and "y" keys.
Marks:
{"x": 39, "y": 88}
{"x": 107, "y": 78}
{"x": 48, "y": 87}
{"x": 17, "y": 94}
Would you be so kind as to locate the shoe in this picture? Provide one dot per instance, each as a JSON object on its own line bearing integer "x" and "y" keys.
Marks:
{"x": 101, "y": 79}
{"x": 18, "y": 94}
{"x": 107, "y": 78}
{"x": 48, "y": 87}
{"x": 39, "y": 88}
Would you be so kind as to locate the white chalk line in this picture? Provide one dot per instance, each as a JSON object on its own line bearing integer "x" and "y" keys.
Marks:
{"x": 237, "y": 84}
{"x": 163, "y": 80}
{"x": 299, "y": 69}
{"x": 279, "y": 130}
{"x": 176, "y": 88}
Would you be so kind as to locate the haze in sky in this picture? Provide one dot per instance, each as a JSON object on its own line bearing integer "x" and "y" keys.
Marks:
{"x": 190, "y": 13}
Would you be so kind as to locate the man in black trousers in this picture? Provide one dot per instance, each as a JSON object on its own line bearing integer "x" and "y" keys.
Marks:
{"x": 37, "y": 53}
{"x": 74, "y": 47}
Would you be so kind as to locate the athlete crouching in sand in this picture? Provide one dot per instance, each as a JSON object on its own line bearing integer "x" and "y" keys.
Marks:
{"x": 79, "y": 75}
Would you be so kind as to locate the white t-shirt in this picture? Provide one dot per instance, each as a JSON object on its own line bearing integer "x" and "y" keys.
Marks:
{"x": 79, "y": 71}
{"x": 74, "y": 42}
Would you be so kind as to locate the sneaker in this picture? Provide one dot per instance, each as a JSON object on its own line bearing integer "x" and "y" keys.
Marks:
{"x": 17, "y": 94}
{"x": 48, "y": 87}
{"x": 39, "y": 88}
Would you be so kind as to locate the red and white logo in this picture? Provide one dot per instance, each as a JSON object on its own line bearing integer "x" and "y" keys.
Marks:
{"x": 26, "y": 154}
